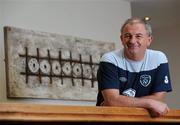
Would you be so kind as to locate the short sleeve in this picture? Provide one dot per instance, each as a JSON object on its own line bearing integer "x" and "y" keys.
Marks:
{"x": 107, "y": 76}
{"x": 162, "y": 81}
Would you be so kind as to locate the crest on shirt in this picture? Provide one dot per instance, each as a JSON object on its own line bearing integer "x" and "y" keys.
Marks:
{"x": 145, "y": 80}
{"x": 129, "y": 92}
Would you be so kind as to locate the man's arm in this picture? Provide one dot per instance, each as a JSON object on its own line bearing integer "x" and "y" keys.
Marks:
{"x": 151, "y": 102}
{"x": 159, "y": 96}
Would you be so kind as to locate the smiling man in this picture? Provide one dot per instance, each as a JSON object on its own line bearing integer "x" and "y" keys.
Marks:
{"x": 134, "y": 76}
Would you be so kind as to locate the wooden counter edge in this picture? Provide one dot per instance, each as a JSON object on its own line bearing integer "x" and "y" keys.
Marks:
{"x": 58, "y": 113}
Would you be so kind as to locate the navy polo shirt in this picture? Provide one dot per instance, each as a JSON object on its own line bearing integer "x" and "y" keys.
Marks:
{"x": 133, "y": 78}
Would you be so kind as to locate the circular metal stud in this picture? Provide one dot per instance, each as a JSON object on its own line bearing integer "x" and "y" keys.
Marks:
{"x": 45, "y": 66}
{"x": 56, "y": 68}
{"x": 33, "y": 65}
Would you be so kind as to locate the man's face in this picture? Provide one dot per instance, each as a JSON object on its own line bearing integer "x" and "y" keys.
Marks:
{"x": 135, "y": 40}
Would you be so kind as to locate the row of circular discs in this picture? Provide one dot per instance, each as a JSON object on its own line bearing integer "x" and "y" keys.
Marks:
{"x": 76, "y": 69}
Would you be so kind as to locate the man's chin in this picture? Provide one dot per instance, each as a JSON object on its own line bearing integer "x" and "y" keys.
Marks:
{"x": 133, "y": 52}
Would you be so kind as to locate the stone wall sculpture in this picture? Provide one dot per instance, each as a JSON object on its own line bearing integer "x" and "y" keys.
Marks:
{"x": 49, "y": 65}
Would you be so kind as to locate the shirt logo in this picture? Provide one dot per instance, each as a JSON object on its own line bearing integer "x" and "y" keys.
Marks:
{"x": 145, "y": 80}
{"x": 129, "y": 92}
{"x": 123, "y": 79}
{"x": 166, "y": 81}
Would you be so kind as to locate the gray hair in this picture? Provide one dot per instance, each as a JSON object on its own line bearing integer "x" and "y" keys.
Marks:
{"x": 138, "y": 20}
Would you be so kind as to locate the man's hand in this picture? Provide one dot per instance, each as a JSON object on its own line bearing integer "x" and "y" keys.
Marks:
{"x": 157, "y": 108}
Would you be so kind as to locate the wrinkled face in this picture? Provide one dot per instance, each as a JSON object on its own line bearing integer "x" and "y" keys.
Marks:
{"x": 135, "y": 40}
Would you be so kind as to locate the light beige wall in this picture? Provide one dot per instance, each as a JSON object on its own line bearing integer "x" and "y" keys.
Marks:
{"x": 2, "y": 66}
{"x": 166, "y": 30}
{"x": 94, "y": 19}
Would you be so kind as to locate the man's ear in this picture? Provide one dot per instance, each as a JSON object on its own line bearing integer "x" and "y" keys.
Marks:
{"x": 150, "y": 39}
{"x": 121, "y": 37}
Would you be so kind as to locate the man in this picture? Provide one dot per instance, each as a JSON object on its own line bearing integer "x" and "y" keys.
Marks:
{"x": 134, "y": 76}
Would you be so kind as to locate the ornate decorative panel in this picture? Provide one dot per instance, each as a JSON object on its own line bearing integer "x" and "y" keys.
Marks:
{"x": 50, "y": 65}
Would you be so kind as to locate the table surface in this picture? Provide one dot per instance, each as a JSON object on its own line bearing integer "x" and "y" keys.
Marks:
{"x": 60, "y": 113}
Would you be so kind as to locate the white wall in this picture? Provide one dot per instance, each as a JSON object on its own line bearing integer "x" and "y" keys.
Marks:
{"x": 94, "y": 19}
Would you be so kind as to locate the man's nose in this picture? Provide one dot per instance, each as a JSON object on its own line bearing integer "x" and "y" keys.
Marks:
{"x": 133, "y": 39}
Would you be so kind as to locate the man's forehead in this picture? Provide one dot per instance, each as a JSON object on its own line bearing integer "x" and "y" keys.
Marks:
{"x": 134, "y": 24}
{"x": 128, "y": 33}
{"x": 135, "y": 27}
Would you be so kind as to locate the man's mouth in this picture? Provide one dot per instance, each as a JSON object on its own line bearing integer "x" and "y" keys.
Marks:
{"x": 133, "y": 46}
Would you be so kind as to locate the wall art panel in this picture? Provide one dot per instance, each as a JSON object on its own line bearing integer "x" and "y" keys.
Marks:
{"x": 50, "y": 65}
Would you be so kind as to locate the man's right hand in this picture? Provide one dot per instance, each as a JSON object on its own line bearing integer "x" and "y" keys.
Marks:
{"x": 157, "y": 108}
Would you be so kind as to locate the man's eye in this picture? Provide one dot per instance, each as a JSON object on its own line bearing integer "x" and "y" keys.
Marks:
{"x": 139, "y": 36}
{"x": 127, "y": 36}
